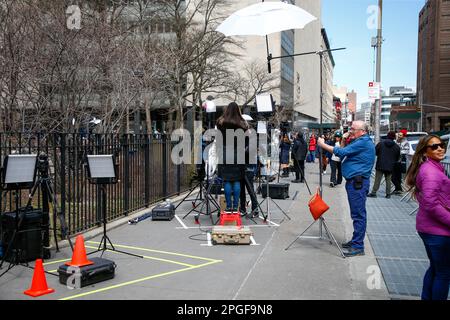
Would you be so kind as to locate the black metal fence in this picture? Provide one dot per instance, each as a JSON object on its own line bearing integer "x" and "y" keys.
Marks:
{"x": 145, "y": 171}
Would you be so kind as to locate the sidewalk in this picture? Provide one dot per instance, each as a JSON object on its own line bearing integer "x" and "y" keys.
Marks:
{"x": 400, "y": 252}
{"x": 179, "y": 262}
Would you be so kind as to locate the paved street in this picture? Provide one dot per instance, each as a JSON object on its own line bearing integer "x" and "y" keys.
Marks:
{"x": 180, "y": 263}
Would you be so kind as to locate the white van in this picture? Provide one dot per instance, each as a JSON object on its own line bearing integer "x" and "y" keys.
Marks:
{"x": 445, "y": 138}
{"x": 446, "y": 162}
{"x": 413, "y": 139}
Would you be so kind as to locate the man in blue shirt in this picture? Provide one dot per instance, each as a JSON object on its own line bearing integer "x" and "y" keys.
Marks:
{"x": 358, "y": 159}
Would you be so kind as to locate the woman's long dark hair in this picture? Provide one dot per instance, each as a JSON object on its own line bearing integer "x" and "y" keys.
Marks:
{"x": 232, "y": 118}
{"x": 417, "y": 160}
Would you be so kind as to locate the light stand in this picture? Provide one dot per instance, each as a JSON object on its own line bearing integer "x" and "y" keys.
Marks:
{"x": 206, "y": 199}
{"x": 102, "y": 171}
{"x": 322, "y": 223}
{"x": 265, "y": 107}
{"x": 19, "y": 173}
{"x": 199, "y": 196}
{"x": 268, "y": 198}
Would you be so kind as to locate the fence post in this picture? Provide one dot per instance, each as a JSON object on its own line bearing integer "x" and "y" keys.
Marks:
{"x": 126, "y": 174}
{"x": 164, "y": 164}
{"x": 147, "y": 170}
{"x": 99, "y": 203}
{"x": 63, "y": 178}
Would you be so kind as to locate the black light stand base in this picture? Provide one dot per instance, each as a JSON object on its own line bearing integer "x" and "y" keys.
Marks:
{"x": 104, "y": 247}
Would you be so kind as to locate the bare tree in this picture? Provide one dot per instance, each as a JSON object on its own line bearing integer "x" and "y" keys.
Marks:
{"x": 160, "y": 53}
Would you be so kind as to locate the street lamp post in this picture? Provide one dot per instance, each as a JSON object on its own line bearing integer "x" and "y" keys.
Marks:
{"x": 378, "y": 72}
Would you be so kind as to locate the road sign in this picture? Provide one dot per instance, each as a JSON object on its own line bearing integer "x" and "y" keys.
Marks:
{"x": 374, "y": 90}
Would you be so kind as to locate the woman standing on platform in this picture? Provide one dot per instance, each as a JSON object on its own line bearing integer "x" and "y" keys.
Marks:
{"x": 427, "y": 180}
{"x": 231, "y": 173}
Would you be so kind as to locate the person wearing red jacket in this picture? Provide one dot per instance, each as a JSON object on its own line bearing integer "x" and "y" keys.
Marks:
{"x": 312, "y": 147}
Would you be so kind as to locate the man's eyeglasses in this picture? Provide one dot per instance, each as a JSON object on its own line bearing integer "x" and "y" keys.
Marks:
{"x": 436, "y": 145}
{"x": 354, "y": 129}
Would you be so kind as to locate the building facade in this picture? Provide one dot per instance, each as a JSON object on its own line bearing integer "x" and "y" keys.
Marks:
{"x": 364, "y": 113}
{"x": 352, "y": 101}
{"x": 296, "y": 83}
{"x": 433, "y": 65}
{"x": 307, "y": 89}
{"x": 328, "y": 110}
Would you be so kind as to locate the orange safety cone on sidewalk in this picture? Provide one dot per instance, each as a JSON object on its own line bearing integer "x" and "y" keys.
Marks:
{"x": 39, "y": 283}
{"x": 79, "y": 257}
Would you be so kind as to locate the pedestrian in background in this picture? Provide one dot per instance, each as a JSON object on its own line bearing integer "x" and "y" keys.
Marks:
{"x": 299, "y": 152}
{"x": 357, "y": 158}
{"x": 231, "y": 173}
{"x": 400, "y": 166}
{"x": 285, "y": 148}
{"x": 388, "y": 153}
{"x": 335, "y": 162}
{"x": 312, "y": 147}
{"x": 429, "y": 184}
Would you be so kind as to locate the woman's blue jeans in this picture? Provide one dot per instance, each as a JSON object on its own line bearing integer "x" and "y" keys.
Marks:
{"x": 437, "y": 278}
{"x": 235, "y": 188}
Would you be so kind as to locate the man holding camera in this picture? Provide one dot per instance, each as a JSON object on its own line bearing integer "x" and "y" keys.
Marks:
{"x": 357, "y": 158}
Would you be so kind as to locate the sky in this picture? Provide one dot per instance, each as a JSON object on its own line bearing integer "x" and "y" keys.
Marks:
{"x": 352, "y": 24}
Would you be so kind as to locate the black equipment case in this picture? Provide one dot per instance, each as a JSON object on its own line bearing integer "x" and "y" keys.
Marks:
{"x": 276, "y": 190}
{"x": 101, "y": 270}
{"x": 164, "y": 211}
{"x": 28, "y": 244}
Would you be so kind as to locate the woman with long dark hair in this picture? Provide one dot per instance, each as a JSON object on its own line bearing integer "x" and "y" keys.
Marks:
{"x": 427, "y": 180}
{"x": 285, "y": 147}
{"x": 231, "y": 173}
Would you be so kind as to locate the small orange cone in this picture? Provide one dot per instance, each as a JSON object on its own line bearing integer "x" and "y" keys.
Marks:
{"x": 79, "y": 257}
{"x": 39, "y": 283}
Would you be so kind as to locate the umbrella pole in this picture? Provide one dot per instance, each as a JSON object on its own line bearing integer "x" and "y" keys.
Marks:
{"x": 269, "y": 55}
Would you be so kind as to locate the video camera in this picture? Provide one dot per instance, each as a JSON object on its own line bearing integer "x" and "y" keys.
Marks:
{"x": 42, "y": 163}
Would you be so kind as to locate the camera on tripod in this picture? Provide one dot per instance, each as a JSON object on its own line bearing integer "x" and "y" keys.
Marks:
{"x": 42, "y": 164}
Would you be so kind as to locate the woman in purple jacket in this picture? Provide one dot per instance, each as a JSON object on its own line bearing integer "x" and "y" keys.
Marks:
{"x": 431, "y": 187}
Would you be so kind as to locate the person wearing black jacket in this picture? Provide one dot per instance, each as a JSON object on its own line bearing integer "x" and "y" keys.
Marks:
{"x": 231, "y": 173}
{"x": 388, "y": 153}
{"x": 299, "y": 152}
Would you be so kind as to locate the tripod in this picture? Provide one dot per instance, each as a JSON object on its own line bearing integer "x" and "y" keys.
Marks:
{"x": 322, "y": 223}
{"x": 199, "y": 195}
{"x": 199, "y": 184}
{"x": 329, "y": 237}
{"x": 268, "y": 198}
{"x": 207, "y": 199}
{"x": 103, "y": 242}
{"x": 48, "y": 195}
{"x": 252, "y": 194}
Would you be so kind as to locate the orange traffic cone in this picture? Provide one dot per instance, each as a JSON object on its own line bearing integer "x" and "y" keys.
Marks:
{"x": 79, "y": 257}
{"x": 39, "y": 283}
